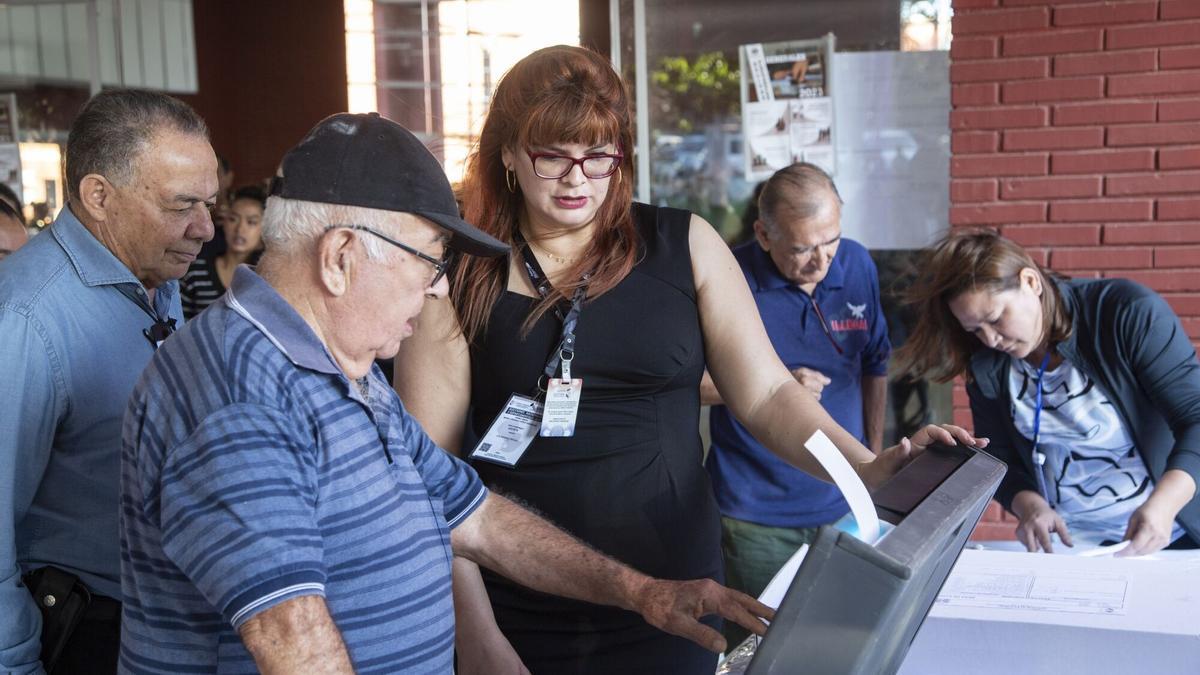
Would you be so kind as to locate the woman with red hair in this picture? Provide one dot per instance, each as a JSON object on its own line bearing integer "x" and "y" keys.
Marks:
{"x": 605, "y": 314}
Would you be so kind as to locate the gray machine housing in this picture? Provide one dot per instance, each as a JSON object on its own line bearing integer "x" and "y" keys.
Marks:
{"x": 854, "y": 608}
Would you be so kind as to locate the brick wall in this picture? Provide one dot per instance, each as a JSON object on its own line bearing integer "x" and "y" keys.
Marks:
{"x": 1075, "y": 129}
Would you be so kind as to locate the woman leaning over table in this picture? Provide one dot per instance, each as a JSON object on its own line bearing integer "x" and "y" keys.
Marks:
{"x": 653, "y": 295}
{"x": 1089, "y": 389}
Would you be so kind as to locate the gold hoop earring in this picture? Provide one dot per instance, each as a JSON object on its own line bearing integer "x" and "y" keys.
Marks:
{"x": 618, "y": 174}
{"x": 510, "y": 180}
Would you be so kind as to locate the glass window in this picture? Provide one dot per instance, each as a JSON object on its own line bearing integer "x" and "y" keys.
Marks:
{"x": 695, "y": 150}
{"x": 432, "y": 65}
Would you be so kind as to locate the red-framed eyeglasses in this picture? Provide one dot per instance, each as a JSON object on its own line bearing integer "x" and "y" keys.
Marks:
{"x": 553, "y": 166}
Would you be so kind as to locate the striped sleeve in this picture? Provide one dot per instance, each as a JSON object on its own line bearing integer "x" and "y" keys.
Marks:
{"x": 198, "y": 289}
{"x": 238, "y": 509}
{"x": 449, "y": 480}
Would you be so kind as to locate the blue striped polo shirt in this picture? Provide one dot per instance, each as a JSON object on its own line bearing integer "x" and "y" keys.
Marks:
{"x": 253, "y": 471}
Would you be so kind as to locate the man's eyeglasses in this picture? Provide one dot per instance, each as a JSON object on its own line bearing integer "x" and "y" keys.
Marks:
{"x": 552, "y": 166}
{"x": 439, "y": 266}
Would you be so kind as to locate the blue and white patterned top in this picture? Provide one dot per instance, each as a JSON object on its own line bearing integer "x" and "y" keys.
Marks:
{"x": 1094, "y": 472}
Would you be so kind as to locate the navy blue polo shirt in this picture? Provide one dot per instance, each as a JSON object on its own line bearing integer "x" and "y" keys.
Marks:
{"x": 753, "y": 484}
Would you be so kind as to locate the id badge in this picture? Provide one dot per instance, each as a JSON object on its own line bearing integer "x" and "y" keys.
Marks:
{"x": 562, "y": 407}
{"x": 511, "y": 432}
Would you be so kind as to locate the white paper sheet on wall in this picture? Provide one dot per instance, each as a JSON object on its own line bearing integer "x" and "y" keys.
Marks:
{"x": 893, "y": 146}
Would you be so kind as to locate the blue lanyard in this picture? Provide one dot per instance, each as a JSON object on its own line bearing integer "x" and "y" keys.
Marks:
{"x": 1039, "y": 457}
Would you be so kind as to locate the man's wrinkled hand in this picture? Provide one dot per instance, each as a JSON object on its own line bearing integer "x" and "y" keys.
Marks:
{"x": 676, "y": 607}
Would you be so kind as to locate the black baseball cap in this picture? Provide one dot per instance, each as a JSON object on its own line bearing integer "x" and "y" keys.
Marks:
{"x": 370, "y": 161}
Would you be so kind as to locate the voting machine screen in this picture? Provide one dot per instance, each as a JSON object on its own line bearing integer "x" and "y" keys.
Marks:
{"x": 854, "y": 608}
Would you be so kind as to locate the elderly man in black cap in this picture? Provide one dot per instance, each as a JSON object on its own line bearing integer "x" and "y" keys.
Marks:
{"x": 275, "y": 490}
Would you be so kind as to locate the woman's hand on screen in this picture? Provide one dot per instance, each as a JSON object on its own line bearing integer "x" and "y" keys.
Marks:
{"x": 892, "y": 459}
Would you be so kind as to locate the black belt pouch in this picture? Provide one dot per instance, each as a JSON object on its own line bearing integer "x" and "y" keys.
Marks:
{"x": 62, "y": 600}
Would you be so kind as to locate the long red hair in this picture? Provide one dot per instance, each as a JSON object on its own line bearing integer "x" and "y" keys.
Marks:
{"x": 555, "y": 95}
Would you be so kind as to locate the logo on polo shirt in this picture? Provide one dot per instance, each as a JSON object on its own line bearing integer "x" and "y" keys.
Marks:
{"x": 857, "y": 320}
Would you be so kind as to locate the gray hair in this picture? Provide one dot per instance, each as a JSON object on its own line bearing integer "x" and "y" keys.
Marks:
{"x": 113, "y": 129}
{"x": 802, "y": 189}
{"x": 291, "y": 225}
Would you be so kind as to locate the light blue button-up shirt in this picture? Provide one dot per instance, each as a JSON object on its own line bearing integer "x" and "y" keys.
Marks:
{"x": 71, "y": 349}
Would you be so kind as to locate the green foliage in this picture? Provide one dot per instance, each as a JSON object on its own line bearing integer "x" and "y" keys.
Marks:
{"x": 691, "y": 93}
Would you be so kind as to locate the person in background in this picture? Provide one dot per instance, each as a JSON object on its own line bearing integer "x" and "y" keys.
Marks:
{"x": 818, "y": 296}
{"x": 83, "y": 307}
{"x": 13, "y": 234}
{"x": 208, "y": 277}
{"x": 1089, "y": 390}
{"x": 281, "y": 512}
{"x": 614, "y": 308}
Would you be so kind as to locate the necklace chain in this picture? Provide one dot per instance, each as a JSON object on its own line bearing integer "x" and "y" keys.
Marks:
{"x": 556, "y": 258}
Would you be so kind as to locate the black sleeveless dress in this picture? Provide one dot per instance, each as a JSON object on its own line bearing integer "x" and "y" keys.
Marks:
{"x": 630, "y": 481}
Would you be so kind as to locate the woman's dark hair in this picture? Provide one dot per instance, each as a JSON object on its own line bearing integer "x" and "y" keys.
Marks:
{"x": 555, "y": 95}
{"x": 960, "y": 262}
{"x": 254, "y": 192}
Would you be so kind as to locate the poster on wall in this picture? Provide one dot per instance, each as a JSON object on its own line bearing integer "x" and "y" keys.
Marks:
{"x": 10, "y": 154}
{"x": 787, "y": 112}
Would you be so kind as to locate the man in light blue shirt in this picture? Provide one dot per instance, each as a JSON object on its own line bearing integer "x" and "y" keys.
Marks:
{"x": 82, "y": 309}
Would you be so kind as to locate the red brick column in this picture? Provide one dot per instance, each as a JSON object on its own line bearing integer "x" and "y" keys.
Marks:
{"x": 1076, "y": 130}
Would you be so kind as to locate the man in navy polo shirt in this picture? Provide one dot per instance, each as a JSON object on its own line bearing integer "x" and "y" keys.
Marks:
{"x": 818, "y": 295}
{"x": 280, "y": 510}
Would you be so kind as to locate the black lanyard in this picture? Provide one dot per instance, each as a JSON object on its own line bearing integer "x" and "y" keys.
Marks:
{"x": 162, "y": 327}
{"x": 565, "y": 351}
